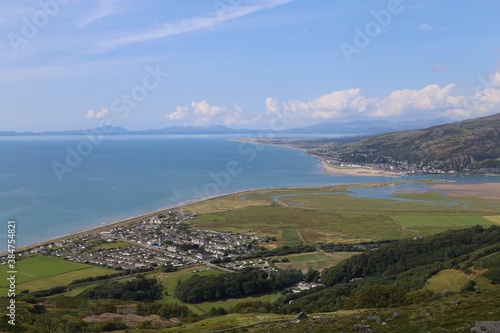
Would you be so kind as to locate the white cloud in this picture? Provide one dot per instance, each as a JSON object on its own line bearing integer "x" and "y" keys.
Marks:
{"x": 425, "y": 27}
{"x": 202, "y": 113}
{"x": 495, "y": 79}
{"x": 272, "y": 105}
{"x": 205, "y": 111}
{"x": 485, "y": 101}
{"x": 235, "y": 117}
{"x": 410, "y": 102}
{"x": 440, "y": 67}
{"x": 179, "y": 114}
{"x": 91, "y": 114}
{"x": 334, "y": 105}
{"x": 482, "y": 103}
{"x": 430, "y": 101}
{"x": 196, "y": 23}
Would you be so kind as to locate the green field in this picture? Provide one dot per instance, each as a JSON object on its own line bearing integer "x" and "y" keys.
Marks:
{"x": 291, "y": 238}
{"x": 426, "y": 196}
{"x": 447, "y": 280}
{"x": 112, "y": 245}
{"x": 40, "y": 272}
{"x": 317, "y": 260}
{"x": 495, "y": 219}
{"x": 225, "y": 322}
{"x": 327, "y": 214}
{"x": 440, "y": 221}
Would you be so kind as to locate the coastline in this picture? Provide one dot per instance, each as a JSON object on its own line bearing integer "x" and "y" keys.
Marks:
{"x": 140, "y": 217}
{"x": 350, "y": 171}
{"x": 324, "y": 164}
{"x": 328, "y": 169}
{"x": 125, "y": 221}
{"x": 489, "y": 191}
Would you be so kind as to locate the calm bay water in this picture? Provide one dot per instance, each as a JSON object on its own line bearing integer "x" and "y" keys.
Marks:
{"x": 128, "y": 176}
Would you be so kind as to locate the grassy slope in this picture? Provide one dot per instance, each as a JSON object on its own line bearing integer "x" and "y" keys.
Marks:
{"x": 447, "y": 280}
{"x": 317, "y": 260}
{"x": 473, "y": 143}
{"x": 40, "y": 272}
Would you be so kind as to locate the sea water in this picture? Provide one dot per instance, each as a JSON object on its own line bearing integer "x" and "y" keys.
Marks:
{"x": 57, "y": 185}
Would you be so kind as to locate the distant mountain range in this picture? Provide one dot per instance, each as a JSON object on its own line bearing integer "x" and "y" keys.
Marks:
{"x": 368, "y": 126}
{"x": 116, "y": 130}
{"x": 463, "y": 146}
{"x": 359, "y": 127}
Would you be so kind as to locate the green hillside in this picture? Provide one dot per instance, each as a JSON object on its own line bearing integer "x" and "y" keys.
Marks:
{"x": 464, "y": 146}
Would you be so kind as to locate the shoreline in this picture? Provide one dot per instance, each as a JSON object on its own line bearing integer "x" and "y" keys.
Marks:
{"x": 140, "y": 217}
{"x": 351, "y": 171}
{"x": 325, "y": 165}
{"x": 125, "y": 221}
{"x": 327, "y": 169}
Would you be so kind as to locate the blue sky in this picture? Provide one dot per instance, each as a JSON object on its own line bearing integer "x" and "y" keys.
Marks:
{"x": 77, "y": 64}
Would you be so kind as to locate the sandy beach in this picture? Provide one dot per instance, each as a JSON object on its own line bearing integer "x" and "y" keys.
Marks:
{"x": 482, "y": 190}
{"x": 327, "y": 167}
{"x": 337, "y": 170}
{"x": 122, "y": 222}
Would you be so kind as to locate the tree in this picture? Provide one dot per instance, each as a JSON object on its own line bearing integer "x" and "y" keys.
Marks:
{"x": 311, "y": 275}
{"x": 378, "y": 296}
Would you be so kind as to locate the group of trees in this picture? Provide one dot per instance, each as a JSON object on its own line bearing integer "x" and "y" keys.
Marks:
{"x": 140, "y": 289}
{"x": 246, "y": 282}
{"x": 360, "y": 247}
{"x": 409, "y": 263}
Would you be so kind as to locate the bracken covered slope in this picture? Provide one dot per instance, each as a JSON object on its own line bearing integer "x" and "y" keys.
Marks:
{"x": 464, "y": 146}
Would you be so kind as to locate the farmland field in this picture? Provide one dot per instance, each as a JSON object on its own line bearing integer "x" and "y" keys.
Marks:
{"x": 63, "y": 279}
{"x": 315, "y": 260}
{"x": 448, "y": 221}
{"x": 40, "y": 272}
{"x": 328, "y": 214}
{"x": 495, "y": 219}
{"x": 291, "y": 238}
